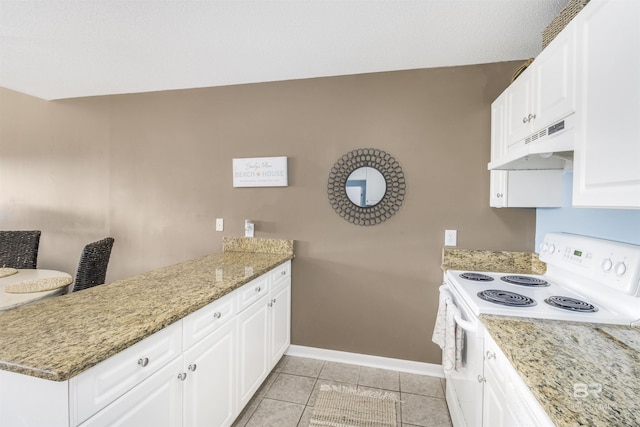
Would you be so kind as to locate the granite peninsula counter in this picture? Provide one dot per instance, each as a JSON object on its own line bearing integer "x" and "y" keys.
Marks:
{"x": 582, "y": 374}
{"x": 59, "y": 338}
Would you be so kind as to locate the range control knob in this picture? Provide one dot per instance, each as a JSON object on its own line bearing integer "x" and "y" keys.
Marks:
{"x": 607, "y": 264}
{"x": 552, "y": 248}
{"x": 621, "y": 268}
{"x": 544, "y": 246}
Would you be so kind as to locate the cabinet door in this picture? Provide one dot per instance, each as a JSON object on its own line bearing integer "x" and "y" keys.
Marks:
{"x": 157, "y": 402}
{"x": 554, "y": 80}
{"x": 280, "y": 316}
{"x": 607, "y": 152}
{"x": 498, "y": 128}
{"x": 493, "y": 408}
{"x": 253, "y": 345}
{"x": 209, "y": 388}
{"x": 498, "y": 189}
{"x": 519, "y": 109}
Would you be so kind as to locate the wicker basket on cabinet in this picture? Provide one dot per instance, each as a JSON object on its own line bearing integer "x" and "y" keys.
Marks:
{"x": 559, "y": 22}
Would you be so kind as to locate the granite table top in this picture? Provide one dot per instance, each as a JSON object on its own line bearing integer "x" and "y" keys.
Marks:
{"x": 59, "y": 338}
{"x": 582, "y": 374}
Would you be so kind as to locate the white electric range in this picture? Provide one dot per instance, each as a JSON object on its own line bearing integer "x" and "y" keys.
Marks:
{"x": 587, "y": 280}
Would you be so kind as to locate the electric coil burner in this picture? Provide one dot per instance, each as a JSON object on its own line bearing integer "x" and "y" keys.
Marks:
{"x": 572, "y": 304}
{"x": 524, "y": 280}
{"x": 510, "y": 299}
{"x": 476, "y": 277}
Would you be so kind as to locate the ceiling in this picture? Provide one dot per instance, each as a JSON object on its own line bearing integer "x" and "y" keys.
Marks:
{"x": 65, "y": 49}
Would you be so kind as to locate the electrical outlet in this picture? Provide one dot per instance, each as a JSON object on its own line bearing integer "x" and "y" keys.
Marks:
{"x": 450, "y": 237}
{"x": 249, "y": 228}
{"x": 219, "y": 224}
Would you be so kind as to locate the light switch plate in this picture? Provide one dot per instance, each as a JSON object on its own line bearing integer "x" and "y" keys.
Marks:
{"x": 450, "y": 237}
{"x": 219, "y": 224}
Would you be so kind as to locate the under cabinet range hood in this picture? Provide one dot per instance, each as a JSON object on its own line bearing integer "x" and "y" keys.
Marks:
{"x": 548, "y": 148}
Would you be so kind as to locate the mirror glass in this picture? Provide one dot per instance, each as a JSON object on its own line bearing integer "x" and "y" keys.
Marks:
{"x": 366, "y": 187}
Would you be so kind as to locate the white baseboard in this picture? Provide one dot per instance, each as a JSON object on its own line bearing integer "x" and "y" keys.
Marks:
{"x": 400, "y": 365}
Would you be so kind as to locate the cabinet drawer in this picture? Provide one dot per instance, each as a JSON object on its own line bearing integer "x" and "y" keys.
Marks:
{"x": 97, "y": 387}
{"x": 280, "y": 274}
{"x": 253, "y": 291}
{"x": 201, "y": 323}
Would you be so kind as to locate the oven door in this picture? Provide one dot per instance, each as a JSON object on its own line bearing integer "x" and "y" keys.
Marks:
{"x": 464, "y": 386}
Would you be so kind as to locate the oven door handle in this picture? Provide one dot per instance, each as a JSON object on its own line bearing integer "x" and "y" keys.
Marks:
{"x": 464, "y": 324}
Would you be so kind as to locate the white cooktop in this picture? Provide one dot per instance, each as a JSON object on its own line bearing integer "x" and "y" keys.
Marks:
{"x": 469, "y": 290}
{"x": 603, "y": 273}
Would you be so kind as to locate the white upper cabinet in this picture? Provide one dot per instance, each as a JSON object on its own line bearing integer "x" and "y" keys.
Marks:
{"x": 520, "y": 110}
{"x": 522, "y": 188}
{"x": 542, "y": 96}
{"x": 498, "y": 127}
{"x": 607, "y": 152}
{"x": 554, "y": 95}
{"x": 581, "y": 94}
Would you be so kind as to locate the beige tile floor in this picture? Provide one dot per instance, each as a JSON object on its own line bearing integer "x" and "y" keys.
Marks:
{"x": 287, "y": 396}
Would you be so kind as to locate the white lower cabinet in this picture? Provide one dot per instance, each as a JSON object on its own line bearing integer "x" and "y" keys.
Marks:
{"x": 494, "y": 406}
{"x": 97, "y": 387}
{"x": 280, "y": 321}
{"x": 280, "y": 313}
{"x": 199, "y": 371}
{"x": 253, "y": 346}
{"x": 157, "y": 402}
{"x": 209, "y": 384}
{"x": 507, "y": 401}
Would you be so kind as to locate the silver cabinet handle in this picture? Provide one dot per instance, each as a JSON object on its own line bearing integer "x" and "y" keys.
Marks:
{"x": 283, "y": 272}
{"x": 217, "y": 315}
{"x": 481, "y": 379}
{"x": 490, "y": 355}
{"x": 258, "y": 289}
{"x": 192, "y": 368}
{"x": 182, "y": 376}
{"x": 143, "y": 361}
{"x": 524, "y": 120}
{"x": 498, "y": 195}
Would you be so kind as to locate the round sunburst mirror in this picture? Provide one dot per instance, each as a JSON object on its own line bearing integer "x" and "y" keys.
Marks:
{"x": 366, "y": 186}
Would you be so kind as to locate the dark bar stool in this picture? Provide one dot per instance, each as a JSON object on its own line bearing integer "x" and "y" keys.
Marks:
{"x": 19, "y": 249}
{"x": 92, "y": 268}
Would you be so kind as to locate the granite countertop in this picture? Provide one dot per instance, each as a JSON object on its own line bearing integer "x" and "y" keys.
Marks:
{"x": 492, "y": 261}
{"x": 59, "y": 338}
{"x": 582, "y": 374}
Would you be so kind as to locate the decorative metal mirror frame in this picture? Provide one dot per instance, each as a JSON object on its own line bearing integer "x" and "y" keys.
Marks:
{"x": 393, "y": 176}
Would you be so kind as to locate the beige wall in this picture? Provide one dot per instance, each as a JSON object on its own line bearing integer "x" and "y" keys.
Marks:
{"x": 154, "y": 171}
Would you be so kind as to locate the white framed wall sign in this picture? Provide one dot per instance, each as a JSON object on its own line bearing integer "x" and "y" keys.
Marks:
{"x": 260, "y": 172}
